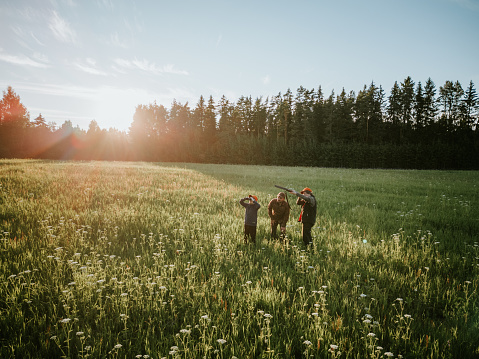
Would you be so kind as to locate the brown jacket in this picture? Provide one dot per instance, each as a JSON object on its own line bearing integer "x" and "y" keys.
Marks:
{"x": 279, "y": 211}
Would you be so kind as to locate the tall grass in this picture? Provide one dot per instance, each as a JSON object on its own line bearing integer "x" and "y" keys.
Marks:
{"x": 125, "y": 260}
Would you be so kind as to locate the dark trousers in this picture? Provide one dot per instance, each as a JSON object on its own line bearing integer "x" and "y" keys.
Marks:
{"x": 274, "y": 228}
{"x": 249, "y": 232}
{"x": 307, "y": 237}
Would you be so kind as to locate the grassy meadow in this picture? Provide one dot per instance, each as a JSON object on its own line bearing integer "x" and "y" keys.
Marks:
{"x": 147, "y": 260}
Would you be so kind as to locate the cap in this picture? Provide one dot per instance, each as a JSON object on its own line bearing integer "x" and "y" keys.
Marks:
{"x": 255, "y": 198}
{"x": 307, "y": 189}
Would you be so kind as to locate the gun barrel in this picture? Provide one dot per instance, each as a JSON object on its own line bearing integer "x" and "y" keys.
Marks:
{"x": 284, "y": 188}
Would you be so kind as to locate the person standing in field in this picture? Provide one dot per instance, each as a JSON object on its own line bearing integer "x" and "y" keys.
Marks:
{"x": 251, "y": 206}
{"x": 278, "y": 211}
{"x": 308, "y": 213}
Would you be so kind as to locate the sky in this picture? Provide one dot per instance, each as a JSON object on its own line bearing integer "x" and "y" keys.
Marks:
{"x": 84, "y": 60}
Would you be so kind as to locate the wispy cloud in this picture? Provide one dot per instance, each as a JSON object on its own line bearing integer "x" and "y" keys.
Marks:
{"x": 23, "y": 60}
{"x": 265, "y": 80}
{"x": 57, "y": 90}
{"x": 90, "y": 67}
{"x": 147, "y": 66}
{"x": 468, "y": 4}
{"x": 36, "y": 39}
{"x": 106, "y": 3}
{"x": 115, "y": 40}
{"x": 61, "y": 29}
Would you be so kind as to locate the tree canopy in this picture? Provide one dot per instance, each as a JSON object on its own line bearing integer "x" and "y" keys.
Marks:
{"x": 415, "y": 126}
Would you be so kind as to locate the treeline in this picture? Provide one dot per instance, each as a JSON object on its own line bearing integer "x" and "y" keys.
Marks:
{"x": 415, "y": 126}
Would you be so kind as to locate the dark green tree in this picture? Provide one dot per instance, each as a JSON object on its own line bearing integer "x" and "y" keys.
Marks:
{"x": 302, "y": 119}
{"x": 469, "y": 108}
{"x": 285, "y": 115}
{"x": 244, "y": 110}
{"x": 318, "y": 128}
{"x": 430, "y": 103}
{"x": 260, "y": 114}
{"x": 179, "y": 118}
{"x": 329, "y": 108}
{"x": 198, "y": 117}
{"x": 368, "y": 113}
{"x": 450, "y": 99}
{"x": 407, "y": 107}
{"x": 394, "y": 114}
{"x": 343, "y": 122}
{"x": 225, "y": 109}
{"x": 210, "y": 121}
{"x": 419, "y": 108}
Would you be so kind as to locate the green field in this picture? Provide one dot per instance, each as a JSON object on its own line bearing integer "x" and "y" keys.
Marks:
{"x": 147, "y": 260}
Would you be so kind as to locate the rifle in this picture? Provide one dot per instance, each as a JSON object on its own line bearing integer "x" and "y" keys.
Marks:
{"x": 284, "y": 188}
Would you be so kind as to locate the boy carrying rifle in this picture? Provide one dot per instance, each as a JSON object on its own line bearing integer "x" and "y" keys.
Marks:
{"x": 308, "y": 212}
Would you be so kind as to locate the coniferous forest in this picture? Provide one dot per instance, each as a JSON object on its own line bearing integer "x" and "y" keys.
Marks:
{"x": 415, "y": 126}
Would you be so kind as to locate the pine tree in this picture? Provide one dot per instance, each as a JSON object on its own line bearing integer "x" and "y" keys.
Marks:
{"x": 318, "y": 127}
{"x": 343, "y": 123}
{"x": 419, "y": 108}
{"x": 469, "y": 108}
{"x": 198, "y": 117}
{"x": 259, "y": 117}
{"x": 225, "y": 109}
{"x": 210, "y": 121}
{"x": 430, "y": 103}
{"x": 407, "y": 106}
{"x": 394, "y": 113}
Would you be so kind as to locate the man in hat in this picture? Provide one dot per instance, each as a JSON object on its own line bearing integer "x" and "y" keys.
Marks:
{"x": 251, "y": 206}
{"x": 278, "y": 210}
{"x": 308, "y": 213}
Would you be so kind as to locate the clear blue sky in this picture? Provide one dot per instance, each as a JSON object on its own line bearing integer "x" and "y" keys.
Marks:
{"x": 83, "y": 60}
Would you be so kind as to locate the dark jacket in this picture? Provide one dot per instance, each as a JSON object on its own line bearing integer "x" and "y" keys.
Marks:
{"x": 251, "y": 212}
{"x": 308, "y": 210}
{"x": 279, "y": 211}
